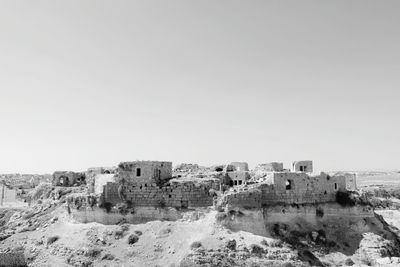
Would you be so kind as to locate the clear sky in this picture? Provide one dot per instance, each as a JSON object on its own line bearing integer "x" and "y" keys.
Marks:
{"x": 93, "y": 83}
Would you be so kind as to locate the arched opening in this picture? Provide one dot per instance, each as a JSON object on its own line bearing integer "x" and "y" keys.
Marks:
{"x": 107, "y": 172}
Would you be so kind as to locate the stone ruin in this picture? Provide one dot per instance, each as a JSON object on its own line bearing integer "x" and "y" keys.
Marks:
{"x": 303, "y": 166}
{"x": 96, "y": 178}
{"x": 288, "y": 188}
{"x": 7, "y": 194}
{"x": 152, "y": 184}
{"x": 68, "y": 178}
{"x": 236, "y": 173}
{"x": 145, "y": 171}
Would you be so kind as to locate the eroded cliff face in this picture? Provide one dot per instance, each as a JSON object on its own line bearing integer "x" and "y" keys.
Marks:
{"x": 324, "y": 228}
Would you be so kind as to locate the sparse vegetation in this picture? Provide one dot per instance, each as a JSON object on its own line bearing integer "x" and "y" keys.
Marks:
{"x": 52, "y": 239}
{"x": 319, "y": 212}
{"x": 93, "y": 252}
{"x": 161, "y": 203}
{"x": 108, "y": 257}
{"x": 132, "y": 239}
{"x": 139, "y": 233}
{"x": 231, "y": 244}
{"x": 349, "y": 262}
{"x": 256, "y": 249}
{"x": 195, "y": 245}
{"x": 107, "y": 206}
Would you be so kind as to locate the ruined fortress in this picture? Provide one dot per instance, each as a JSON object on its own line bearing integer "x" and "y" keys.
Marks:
{"x": 155, "y": 184}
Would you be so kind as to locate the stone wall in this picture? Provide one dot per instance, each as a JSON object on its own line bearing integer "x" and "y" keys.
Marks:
{"x": 237, "y": 177}
{"x": 145, "y": 171}
{"x": 351, "y": 181}
{"x": 237, "y": 166}
{"x": 7, "y": 194}
{"x": 269, "y": 167}
{"x": 303, "y": 166}
{"x": 176, "y": 194}
{"x": 100, "y": 180}
{"x": 288, "y": 188}
{"x": 67, "y": 178}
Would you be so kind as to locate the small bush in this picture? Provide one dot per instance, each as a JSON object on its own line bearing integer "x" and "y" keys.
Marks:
{"x": 122, "y": 208}
{"x": 118, "y": 234}
{"x": 349, "y": 262}
{"x": 264, "y": 243}
{"x": 161, "y": 203}
{"x": 132, "y": 239}
{"x": 139, "y": 233}
{"x": 319, "y": 212}
{"x": 93, "y": 252}
{"x": 107, "y": 206}
{"x": 52, "y": 239}
{"x": 276, "y": 243}
{"x": 231, "y": 244}
{"x": 108, "y": 257}
{"x": 27, "y": 216}
{"x": 195, "y": 245}
{"x": 125, "y": 227}
{"x": 256, "y": 249}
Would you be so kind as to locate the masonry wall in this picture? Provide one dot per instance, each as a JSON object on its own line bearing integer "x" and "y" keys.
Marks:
{"x": 7, "y": 194}
{"x": 237, "y": 166}
{"x": 238, "y": 177}
{"x": 297, "y": 165}
{"x": 270, "y": 167}
{"x": 351, "y": 181}
{"x": 304, "y": 189}
{"x": 72, "y": 177}
{"x": 180, "y": 194}
{"x": 150, "y": 171}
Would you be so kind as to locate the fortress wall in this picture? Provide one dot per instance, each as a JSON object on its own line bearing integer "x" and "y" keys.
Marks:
{"x": 303, "y": 189}
{"x": 184, "y": 194}
{"x": 149, "y": 171}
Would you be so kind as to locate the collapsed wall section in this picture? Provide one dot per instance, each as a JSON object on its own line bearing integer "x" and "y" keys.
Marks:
{"x": 176, "y": 194}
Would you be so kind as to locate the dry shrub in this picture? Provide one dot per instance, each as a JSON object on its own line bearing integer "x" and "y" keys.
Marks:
{"x": 256, "y": 249}
{"x": 132, "y": 239}
{"x": 139, "y": 233}
{"x": 231, "y": 244}
{"x": 52, "y": 239}
{"x": 195, "y": 245}
{"x": 93, "y": 252}
{"x": 108, "y": 257}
